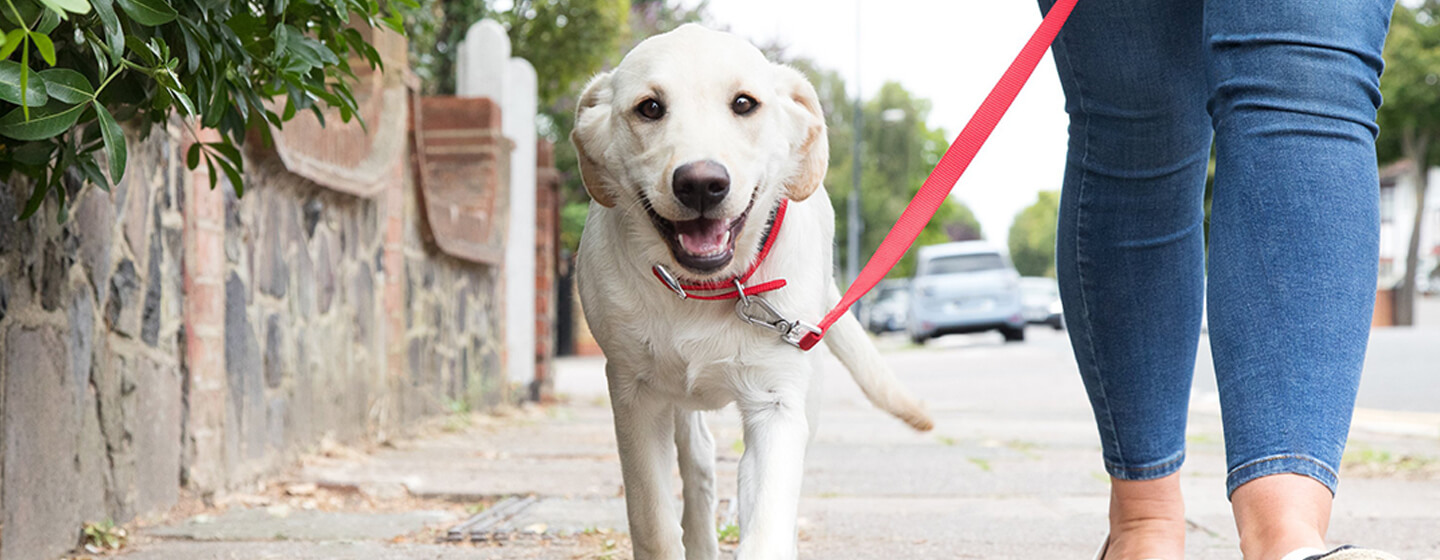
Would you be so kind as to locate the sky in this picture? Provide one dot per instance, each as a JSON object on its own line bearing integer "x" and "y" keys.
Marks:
{"x": 948, "y": 51}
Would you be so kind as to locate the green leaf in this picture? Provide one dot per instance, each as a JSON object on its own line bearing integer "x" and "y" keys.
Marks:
{"x": 227, "y": 150}
{"x": 101, "y": 60}
{"x": 114, "y": 34}
{"x": 192, "y": 49}
{"x": 13, "y": 40}
{"x": 33, "y": 153}
{"x": 149, "y": 12}
{"x": 144, "y": 50}
{"x": 91, "y": 170}
{"x": 282, "y": 34}
{"x": 46, "y": 122}
{"x": 37, "y": 197}
{"x": 184, "y": 101}
{"x": 49, "y": 20}
{"x": 3, "y": 40}
{"x": 43, "y": 44}
{"x": 232, "y": 172}
{"x": 192, "y": 156}
{"x": 63, "y": 212}
{"x": 67, "y": 85}
{"x": 62, "y": 6}
{"x": 115, "y": 148}
{"x": 10, "y": 86}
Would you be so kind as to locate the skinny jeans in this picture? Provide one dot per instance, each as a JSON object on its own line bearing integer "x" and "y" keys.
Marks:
{"x": 1288, "y": 91}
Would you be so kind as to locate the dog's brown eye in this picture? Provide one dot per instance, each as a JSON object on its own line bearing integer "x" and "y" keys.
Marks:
{"x": 650, "y": 109}
{"x": 743, "y": 104}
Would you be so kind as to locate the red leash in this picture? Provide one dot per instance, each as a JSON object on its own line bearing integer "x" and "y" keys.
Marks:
{"x": 940, "y": 182}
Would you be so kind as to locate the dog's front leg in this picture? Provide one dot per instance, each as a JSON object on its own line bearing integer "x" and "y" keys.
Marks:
{"x": 644, "y": 430}
{"x": 776, "y": 433}
{"x": 697, "y": 476}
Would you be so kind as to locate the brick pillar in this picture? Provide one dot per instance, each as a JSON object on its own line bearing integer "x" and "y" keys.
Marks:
{"x": 547, "y": 233}
{"x": 393, "y": 296}
{"x": 204, "y": 266}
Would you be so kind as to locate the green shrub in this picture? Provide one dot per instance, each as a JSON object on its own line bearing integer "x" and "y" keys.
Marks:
{"x": 72, "y": 70}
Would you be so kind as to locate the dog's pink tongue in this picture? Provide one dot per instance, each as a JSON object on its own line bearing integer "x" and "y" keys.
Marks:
{"x": 703, "y": 236}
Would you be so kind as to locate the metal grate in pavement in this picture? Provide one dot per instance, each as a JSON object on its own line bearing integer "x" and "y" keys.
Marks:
{"x": 493, "y": 523}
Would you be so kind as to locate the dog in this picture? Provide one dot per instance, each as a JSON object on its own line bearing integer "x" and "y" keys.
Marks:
{"x": 704, "y": 162}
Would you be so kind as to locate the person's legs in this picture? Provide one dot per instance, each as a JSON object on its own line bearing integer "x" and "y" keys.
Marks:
{"x": 1130, "y": 248}
{"x": 1293, "y": 247}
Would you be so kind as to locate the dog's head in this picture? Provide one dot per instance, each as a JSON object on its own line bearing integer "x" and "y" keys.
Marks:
{"x": 698, "y": 130}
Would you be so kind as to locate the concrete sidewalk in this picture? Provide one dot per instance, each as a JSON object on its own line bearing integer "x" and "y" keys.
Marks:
{"x": 1011, "y": 471}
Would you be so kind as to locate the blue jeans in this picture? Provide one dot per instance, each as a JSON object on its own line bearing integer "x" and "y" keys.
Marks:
{"x": 1288, "y": 91}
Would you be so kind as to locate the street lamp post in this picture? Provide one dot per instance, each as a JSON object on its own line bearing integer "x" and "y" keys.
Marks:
{"x": 852, "y": 221}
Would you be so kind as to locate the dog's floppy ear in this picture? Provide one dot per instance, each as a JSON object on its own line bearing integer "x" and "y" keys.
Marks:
{"x": 809, "y": 138}
{"x": 591, "y": 136}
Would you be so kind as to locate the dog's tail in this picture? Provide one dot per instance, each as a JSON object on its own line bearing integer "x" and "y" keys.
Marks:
{"x": 848, "y": 341}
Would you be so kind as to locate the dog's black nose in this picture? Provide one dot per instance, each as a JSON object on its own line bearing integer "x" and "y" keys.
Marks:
{"x": 701, "y": 185}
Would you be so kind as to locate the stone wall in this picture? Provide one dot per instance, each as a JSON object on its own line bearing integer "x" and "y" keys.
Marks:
{"x": 171, "y": 337}
{"x": 150, "y": 343}
{"x": 91, "y": 333}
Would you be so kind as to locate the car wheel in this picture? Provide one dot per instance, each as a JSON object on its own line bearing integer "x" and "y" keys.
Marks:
{"x": 1013, "y": 334}
{"x": 919, "y": 339}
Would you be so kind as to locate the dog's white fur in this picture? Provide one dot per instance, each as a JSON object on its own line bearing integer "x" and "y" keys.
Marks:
{"x": 667, "y": 359}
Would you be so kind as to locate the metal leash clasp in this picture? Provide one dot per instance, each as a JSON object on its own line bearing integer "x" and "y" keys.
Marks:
{"x": 758, "y": 311}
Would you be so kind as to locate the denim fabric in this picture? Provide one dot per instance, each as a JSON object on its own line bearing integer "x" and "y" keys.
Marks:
{"x": 1288, "y": 91}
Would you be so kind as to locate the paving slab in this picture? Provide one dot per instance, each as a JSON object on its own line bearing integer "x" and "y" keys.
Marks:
{"x": 280, "y": 523}
{"x": 364, "y": 550}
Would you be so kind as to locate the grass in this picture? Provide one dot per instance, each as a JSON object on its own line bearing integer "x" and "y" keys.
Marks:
{"x": 945, "y": 440}
{"x": 982, "y": 463}
{"x": 728, "y": 533}
{"x": 1025, "y": 448}
{"x": 1201, "y": 439}
{"x": 1385, "y": 462}
{"x": 104, "y": 536}
{"x": 458, "y": 415}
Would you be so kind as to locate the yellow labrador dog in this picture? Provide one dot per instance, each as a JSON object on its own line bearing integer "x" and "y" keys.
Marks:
{"x": 704, "y": 162}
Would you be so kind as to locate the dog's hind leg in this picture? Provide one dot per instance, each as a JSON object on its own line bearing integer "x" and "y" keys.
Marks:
{"x": 644, "y": 432}
{"x": 696, "y": 447}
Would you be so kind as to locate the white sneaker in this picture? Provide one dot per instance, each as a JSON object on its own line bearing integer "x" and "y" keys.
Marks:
{"x": 1343, "y": 553}
{"x": 1105, "y": 546}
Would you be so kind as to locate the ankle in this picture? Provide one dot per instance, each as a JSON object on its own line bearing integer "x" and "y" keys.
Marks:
{"x": 1147, "y": 519}
{"x": 1280, "y": 513}
{"x": 1275, "y": 539}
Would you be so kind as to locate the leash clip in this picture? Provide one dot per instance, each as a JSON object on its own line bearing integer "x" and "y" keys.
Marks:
{"x": 758, "y": 311}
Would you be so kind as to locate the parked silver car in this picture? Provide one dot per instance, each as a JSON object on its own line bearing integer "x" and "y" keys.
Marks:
{"x": 964, "y": 287}
{"x": 1040, "y": 299}
{"x": 885, "y": 310}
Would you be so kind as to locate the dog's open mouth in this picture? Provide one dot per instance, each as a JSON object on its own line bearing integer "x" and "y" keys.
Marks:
{"x": 702, "y": 245}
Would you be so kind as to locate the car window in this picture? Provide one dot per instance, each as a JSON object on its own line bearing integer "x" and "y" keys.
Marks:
{"x": 964, "y": 263}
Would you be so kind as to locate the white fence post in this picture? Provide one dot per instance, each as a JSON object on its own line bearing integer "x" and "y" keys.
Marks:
{"x": 484, "y": 68}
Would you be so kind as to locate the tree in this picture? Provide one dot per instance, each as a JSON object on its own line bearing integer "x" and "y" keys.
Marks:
{"x": 72, "y": 70}
{"x": 566, "y": 40}
{"x": 1032, "y": 236}
{"x": 1410, "y": 119}
{"x": 898, "y": 151}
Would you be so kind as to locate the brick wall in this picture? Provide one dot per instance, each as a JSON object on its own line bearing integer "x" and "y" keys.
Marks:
{"x": 547, "y": 239}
